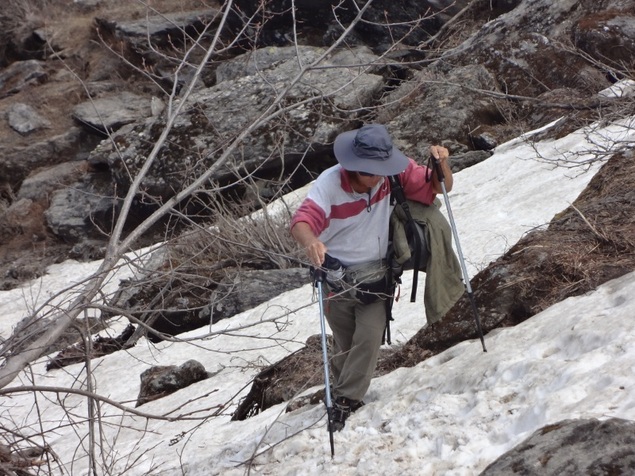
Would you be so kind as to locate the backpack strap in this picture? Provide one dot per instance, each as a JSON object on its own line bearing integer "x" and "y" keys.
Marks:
{"x": 386, "y": 337}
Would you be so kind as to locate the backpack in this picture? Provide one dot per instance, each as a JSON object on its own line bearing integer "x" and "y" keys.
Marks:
{"x": 413, "y": 254}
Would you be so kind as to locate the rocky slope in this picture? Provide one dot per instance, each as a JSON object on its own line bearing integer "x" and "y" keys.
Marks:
{"x": 87, "y": 88}
{"x": 469, "y": 75}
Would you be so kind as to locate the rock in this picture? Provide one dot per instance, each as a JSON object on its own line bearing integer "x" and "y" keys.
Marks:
{"x": 24, "y": 119}
{"x": 21, "y": 74}
{"x": 239, "y": 291}
{"x": 45, "y": 181}
{"x": 147, "y": 36}
{"x": 572, "y": 447}
{"x": 75, "y": 211}
{"x": 483, "y": 141}
{"x": 262, "y": 59}
{"x": 19, "y": 162}
{"x": 283, "y": 380}
{"x": 100, "y": 346}
{"x": 523, "y": 45}
{"x": 467, "y": 159}
{"x": 159, "y": 381}
{"x": 163, "y": 27}
{"x": 88, "y": 250}
{"x": 88, "y": 3}
{"x": 110, "y": 113}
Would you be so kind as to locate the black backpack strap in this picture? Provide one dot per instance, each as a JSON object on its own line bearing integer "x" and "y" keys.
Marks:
{"x": 386, "y": 337}
{"x": 392, "y": 286}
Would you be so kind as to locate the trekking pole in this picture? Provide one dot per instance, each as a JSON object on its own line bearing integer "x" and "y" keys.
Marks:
{"x": 319, "y": 275}
{"x": 466, "y": 279}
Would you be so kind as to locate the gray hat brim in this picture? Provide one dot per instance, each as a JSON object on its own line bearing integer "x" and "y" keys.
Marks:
{"x": 345, "y": 155}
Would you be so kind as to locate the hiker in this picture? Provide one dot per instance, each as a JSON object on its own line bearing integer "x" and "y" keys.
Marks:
{"x": 344, "y": 224}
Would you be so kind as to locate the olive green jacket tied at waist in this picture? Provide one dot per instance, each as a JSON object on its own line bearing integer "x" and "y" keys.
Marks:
{"x": 444, "y": 285}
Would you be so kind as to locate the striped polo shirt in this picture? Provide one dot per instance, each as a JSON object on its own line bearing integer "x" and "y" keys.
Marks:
{"x": 354, "y": 226}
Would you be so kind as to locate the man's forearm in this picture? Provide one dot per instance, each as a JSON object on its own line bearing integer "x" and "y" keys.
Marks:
{"x": 314, "y": 248}
{"x": 303, "y": 234}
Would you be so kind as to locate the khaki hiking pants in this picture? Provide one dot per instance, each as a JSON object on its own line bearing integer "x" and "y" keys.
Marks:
{"x": 357, "y": 333}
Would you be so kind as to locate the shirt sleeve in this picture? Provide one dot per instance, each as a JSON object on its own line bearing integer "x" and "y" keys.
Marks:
{"x": 416, "y": 183}
{"x": 311, "y": 213}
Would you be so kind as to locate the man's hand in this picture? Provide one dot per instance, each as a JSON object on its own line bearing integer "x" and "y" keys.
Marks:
{"x": 316, "y": 252}
{"x": 440, "y": 153}
{"x": 442, "y": 156}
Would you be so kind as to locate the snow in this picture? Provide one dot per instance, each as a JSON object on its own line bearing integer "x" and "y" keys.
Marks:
{"x": 452, "y": 414}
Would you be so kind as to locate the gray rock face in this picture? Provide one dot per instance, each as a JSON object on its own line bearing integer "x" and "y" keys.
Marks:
{"x": 265, "y": 59}
{"x": 162, "y": 26}
{"x": 25, "y": 119}
{"x": 19, "y": 162}
{"x": 213, "y": 118}
{"x": 527, "y": 45}
{"x": 442, "y": 108}
{"x": 110, "y": 113}
{"x": 41, "y": 184}
{"x": 74, "y": 211}
{"x": 572, "y": 448}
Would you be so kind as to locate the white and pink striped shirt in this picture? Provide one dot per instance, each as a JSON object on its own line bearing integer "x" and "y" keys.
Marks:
{"x": 354, "y": 226}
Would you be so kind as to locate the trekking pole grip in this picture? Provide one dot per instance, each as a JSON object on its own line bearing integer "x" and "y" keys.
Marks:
{"x": 319, "y": 274}
{"x": 437, "y": 168}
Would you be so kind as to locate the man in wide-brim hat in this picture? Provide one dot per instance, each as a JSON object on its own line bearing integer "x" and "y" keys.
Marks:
{"x": 346, "y": 214}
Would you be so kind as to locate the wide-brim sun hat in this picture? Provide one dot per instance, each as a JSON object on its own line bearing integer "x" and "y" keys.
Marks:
{"x": 370, "y": 150}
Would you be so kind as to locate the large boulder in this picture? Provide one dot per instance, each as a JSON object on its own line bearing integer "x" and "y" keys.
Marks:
{"x": 25, "y": 119}
{"x": 84, "y": 209}
{"x": 525, "y": 45}
{"x": 19, "y": 162}
{"x": 145, "y": 40}
{"x": 442, "y": 109}
{"x": 171, "y": 308}
{"x": 572, "y": 447}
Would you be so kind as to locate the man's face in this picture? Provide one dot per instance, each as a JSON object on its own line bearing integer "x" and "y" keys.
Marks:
{"x": 368, "y": 180}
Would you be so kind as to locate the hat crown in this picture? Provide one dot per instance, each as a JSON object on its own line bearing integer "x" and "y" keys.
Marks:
{"x": 370, "y": 150}
{"x": 372, "y": 142}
